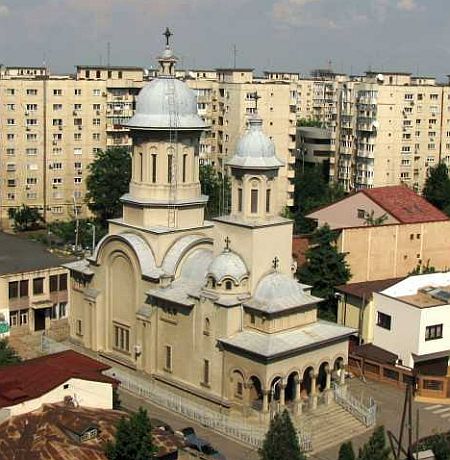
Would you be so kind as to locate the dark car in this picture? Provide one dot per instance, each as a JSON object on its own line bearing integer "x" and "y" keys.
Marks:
{"x": 160, "y": 425}
{"x": 203, "y": 446}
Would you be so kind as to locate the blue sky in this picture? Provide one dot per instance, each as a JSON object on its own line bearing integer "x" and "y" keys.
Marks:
{"x": 297, "y": 35}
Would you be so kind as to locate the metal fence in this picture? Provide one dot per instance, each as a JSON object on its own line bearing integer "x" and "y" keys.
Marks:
{"x": 239, "y": 430}
{"x": 365, "y": 414}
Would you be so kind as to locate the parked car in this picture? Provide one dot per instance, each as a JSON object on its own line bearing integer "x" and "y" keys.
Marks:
{"x": 193, "y": 441}
{"x": 159, "y": 424}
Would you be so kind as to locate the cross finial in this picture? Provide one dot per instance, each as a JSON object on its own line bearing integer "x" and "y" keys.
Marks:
{"x": 275, "y": 262}
{"x": 167, "y": 34}
{"x": 227, "y": 243}
{"x": 256, "y": 96}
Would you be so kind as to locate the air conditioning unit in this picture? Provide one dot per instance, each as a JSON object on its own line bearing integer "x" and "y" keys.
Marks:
{"x": 55, "y": 143}
{"x": 80, "y": 127}
{"x": 27, "y": 114}
{"x": 80, "y": 171}
{"x": 60, "y": 127}
{"x": 75, "y": 113}
{"x": 28, "y": 128}
{"x": 50, "y": 167}
{"x": 104, "y": 94}
{"x": 28, "y": 187}
{"x": 98, "y": 112}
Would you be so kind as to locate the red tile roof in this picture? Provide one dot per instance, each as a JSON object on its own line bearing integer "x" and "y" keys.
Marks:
{"x": 404, "y": 204}
{"x": 35, "y": 377}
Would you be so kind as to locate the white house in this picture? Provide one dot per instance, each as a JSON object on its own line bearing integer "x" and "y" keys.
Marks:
{"x": 65, "y": 376}
{"x": 412, "y": 320}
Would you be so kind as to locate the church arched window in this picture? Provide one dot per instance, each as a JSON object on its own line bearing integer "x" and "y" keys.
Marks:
{"x": 206, "y": 326}
{"x": 228, "y": 285}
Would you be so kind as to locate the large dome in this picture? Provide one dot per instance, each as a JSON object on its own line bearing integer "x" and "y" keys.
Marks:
{"x": 255, "y": 150}
{"x": 154, "y": 112}
{"x": 228, "y": 265}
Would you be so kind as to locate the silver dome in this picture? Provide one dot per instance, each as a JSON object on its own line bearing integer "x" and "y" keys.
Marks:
{"x": 153, "y": 111}
{"x": 255, "y": 150}
{"x": 277, "y": 292}
{"x": 228, "y": 265}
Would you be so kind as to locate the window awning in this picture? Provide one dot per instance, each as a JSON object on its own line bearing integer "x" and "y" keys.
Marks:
{"x": 41, "y": 304}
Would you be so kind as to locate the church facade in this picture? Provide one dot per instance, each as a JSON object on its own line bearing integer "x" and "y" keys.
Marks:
{"x": 210, "y": 308}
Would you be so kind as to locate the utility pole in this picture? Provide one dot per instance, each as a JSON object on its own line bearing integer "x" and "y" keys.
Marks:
{"x": 93, "y": 236}
{"x": 108, "y": 54}
{"x": 234, "y": 56}
{"x": 77, "y": 222}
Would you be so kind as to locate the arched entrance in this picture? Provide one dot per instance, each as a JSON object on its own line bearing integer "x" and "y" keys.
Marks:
{"x": 255, "y": 393}
{"x": 322, "y": 376}
{"x": 237, "y": 385}
{"x": 291, "y": 387}
{"x": 305, "y": 389}
{"x": 275, "y": 389}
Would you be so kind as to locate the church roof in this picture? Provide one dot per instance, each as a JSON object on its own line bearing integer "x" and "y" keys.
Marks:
{"x": 255, "y": 150}
{"x": 228, "y": 264}
{"x": 276, "y": 345}
{"x": 277, "y": 292}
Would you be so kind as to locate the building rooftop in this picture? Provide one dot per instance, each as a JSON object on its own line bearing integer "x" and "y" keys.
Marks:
{"x": 365, "y": 289}
{"x": 35, "y": 377}
{"x": 404, "y": 204}
{"x": 19, "y": 255}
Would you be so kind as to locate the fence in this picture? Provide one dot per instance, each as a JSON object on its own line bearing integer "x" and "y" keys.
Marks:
{"x": 245, "y": 433}
{"x": 427, "y": 386}
{"x": 365, "y": 414}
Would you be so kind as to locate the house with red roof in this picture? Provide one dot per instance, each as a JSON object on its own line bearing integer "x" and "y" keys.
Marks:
{"x": 67, "y": 376}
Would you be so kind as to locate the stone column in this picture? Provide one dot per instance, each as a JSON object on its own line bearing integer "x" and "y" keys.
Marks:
{"x": 313, "y": 394}
{"x": 342, "y": 374}
{"x": 282, "y": 393}
{"x": 265, "y": 404}
{"x": 247, "y": 398}
{"x": 297, "y": 396}
{"x": 328, "y": 390}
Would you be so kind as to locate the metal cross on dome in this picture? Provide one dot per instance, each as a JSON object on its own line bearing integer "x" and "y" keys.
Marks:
{"x": 275, "y": 262}
{"x": 227, "y": 243}
{"x": 167, "y": 34}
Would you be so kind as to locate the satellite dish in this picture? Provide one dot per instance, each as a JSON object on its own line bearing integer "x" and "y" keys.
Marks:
{"x": 380, "y": 77}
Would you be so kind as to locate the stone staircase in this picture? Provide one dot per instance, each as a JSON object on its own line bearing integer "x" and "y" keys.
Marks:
{"x": 330, "y": 426}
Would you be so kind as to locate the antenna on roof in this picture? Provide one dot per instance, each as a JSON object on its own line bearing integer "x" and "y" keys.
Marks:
{"x": 234, "y": 56}
{"x": 108, "y": 54}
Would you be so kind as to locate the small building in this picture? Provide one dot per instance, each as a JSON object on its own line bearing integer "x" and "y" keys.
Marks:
{"x": 387, "y": 232}
{"x": 412, "y": 320}
{"x": 33, "y": 287}
{"x": 65, "y": 376}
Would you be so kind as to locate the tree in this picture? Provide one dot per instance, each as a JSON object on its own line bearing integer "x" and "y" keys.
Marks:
{"x": 421, "y": 269}
{"x": 281, "y": 441}
{"x": 309, "y": 122}
{"x": 7, "y": 354}
{"x": 324, "y": 269}
{"x": 439, "y": 444}
{"x": 375, "y": 448}
{"x": 312, "y": 190}
{"x": 117, "y": 403}
{"x": 108, "y": 179}
{"x": 346, "y": 451}
{"x": 437, "y": 187}
{"x": 218, "y": 189}
{"x": 64, "y": 232}
{"x": 25, "y": 218}
{"x": 133, "y": 439}
{"x": 372, "y": 221}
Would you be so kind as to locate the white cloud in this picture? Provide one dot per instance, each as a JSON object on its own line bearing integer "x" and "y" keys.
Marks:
{"x": 407, "y": 5}
{"x": 4, "y": 11}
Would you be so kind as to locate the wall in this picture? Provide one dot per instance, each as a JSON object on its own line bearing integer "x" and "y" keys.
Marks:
{"x": 88, "y": 394}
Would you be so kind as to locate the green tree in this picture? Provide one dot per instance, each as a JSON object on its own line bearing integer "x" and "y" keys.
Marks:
{"x": 372, "y": 221}
{"x": 375, "y": 448}
{"x": 346, "y": 451}
{"x": 309, "y": 123}
{"x": 437, "y": 187}
{"x": 25, "y": 218}
{"x": 281, "y": 441}
{"x": 217, "y": 188}
{"x": 422, "y": 269}
{"x": 439, "y": 444}
{"x": 133, "y": 439}
{"x": 63, "y": 232}
{"x": 324, "y": 269}
{"x": 7, "y": 354}
{"x": 312, "y": 190}
{"x": 117, "y": 403}
{"x": 108, "y": 179}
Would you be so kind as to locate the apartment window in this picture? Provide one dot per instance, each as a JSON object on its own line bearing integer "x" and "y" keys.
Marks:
{"x": 153, "y": 167}
{"x": 38, "y": 285}
{"x": 14, "y": 319}
{"x": 96, "y": 106}
{"x": 23, "y": 288}
{"x": 168, "y": 358}
{"x": 10, "y": 91}
{"x": 10, "y": 196}
{"x": 11, "y": 107}
{"x": 77, "y": 107}
{"x": 57, "y": 180}
{"x": 122, "y": 338}
{"x": 10, "y": 151}
{"x": 57, "y": 92}
{"x": 384, "y": 320}
{"x": 31, "y": 137}
{"x": 254, "y": 201}
{"x": 32, "y": 92}
{"x": 57, "y": 150}
{"x": 10, "y": 122}
{"x": 77, "y": 92}
{"x": 57, "y": 122}
{"x": 96, "y": 121}
{"x": 31, "y": 151}
{"x": 268, "y": 200}
{"x": 62, "y": 309}
{"x": 11, "y": 182}
{"x": 78, "y": 165}
{"x": 431, "y": 146}
{"x": 32, "y": 122}
{"x": 169, "y": 168}
{"x": 433, "y": 332}
{"x": 31, "y": 180}
{"x": 32, "y": 107}
{"x": 434, "y": 97}
{"x": 77, "y": 136}
{"x": 77, "y": 151}
{"x": 79, "y": 327}
{"x": 10, "y": 136}
{"x": 31, "y": 195}
{"x": 77, "y": 180}
{"x": 96, "y": 92}
{"x": 57, "y": 136}
{"x": 23, "y": 317}
{"x": 77, "y": 121}
{"x": 57, "y": 209}
{"x": 18, "y": 289}
{"x": 239, "y": 200}
{"x": 206, "y": 372}
{"x": 432, "y": 121}
{"x": 96, "y": 136}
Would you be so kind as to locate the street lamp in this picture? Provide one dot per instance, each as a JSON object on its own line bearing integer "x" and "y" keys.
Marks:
{"x": 93, "y": 235}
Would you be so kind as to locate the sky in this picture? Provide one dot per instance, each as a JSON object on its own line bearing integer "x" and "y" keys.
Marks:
{"x": 291, "y": 35}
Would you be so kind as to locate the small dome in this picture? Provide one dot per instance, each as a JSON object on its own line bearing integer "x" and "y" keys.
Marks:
{"x": 255, "y": 149}
{"x": 277, "y": 292}
{"x": 153, "y": 111}
{"x": 228, "y": 265}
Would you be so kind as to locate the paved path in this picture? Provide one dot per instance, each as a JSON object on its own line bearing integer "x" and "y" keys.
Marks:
{"x": 231, "y": 449}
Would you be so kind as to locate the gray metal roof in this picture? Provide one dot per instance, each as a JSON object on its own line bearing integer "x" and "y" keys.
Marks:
{"x": 280, "y": 343}
{"x": 19, "y": 255}
{"x": 80, "y": 266}
{"x": 277, "y": 292}
{"x": 155, "y": 112}
{"x": 228, "y": 264}
{"x": 255, "y": 150}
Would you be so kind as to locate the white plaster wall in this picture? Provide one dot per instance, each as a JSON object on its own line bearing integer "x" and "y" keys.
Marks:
{"x": 88, "y": 394}
{"x": 431, "y": 317}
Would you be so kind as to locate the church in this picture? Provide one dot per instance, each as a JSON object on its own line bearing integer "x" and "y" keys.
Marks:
{"x": 208, "y": 308}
